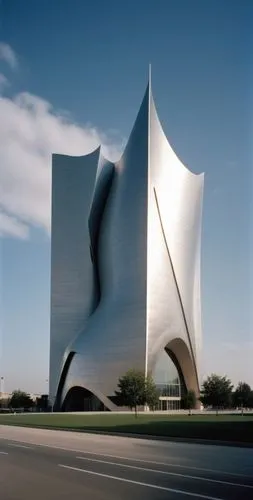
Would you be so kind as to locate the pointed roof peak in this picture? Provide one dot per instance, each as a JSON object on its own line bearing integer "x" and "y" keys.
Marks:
{"x": 149, "y": 74}
{"x": 149, "y": 80}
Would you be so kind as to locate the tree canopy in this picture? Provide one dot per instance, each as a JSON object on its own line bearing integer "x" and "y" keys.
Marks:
{"x": 151, "y": 393}
{"x": 137, "y": 390}
{"x": 242, "y": 395}
{"x": 250, "y": 400}
{"x": 20, "y": 399}
{"x": 217, "y": 391}
{"x": 189, "y": 400}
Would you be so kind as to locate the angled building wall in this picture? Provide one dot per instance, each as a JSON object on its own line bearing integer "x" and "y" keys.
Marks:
{"x": 173, "y": 273}
{"x": 73, "y": 292}
{"x": 114, "y": 338}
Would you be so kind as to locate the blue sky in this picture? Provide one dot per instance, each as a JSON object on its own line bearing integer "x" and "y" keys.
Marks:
{"x": 72, "y": 74}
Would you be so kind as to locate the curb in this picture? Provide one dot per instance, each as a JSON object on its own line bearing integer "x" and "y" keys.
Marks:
{"x": 151, "y": 437}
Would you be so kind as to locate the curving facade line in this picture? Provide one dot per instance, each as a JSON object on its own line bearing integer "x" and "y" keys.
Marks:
{"x": 125, "y": 283}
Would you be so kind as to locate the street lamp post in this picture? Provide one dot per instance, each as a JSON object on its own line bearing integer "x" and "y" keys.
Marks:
{"x": 1, "y": 391}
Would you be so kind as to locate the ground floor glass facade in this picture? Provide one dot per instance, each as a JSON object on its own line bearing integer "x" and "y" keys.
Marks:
{"x": 169, "y": 404}
{"x": 168, "y": 383}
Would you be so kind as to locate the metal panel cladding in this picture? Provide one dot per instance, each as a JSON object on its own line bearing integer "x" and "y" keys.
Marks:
{"x": 125, "y": 263}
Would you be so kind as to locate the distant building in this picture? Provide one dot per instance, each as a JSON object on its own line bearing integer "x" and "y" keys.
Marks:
{"x": 125, "y": 270}
{"x": 7, "y": 395}
{"x": 4, "y": 395}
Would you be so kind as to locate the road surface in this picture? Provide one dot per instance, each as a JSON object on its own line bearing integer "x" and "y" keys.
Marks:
{"x": 59, "y": 465}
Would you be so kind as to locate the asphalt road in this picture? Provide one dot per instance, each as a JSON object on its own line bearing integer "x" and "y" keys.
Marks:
{"x": 58, "y": 465}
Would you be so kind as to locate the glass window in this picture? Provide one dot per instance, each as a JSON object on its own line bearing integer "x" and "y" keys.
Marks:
{"x": 166, "y": 377}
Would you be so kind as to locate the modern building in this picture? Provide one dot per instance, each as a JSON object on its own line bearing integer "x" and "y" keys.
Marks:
{"x": 125, "y": 270}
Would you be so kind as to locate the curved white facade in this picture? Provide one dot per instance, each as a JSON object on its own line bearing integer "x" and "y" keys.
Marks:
{"x": 125, "y": 264}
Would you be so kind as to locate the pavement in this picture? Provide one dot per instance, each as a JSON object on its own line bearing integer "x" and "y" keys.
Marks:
{"x": 60, "y": 465}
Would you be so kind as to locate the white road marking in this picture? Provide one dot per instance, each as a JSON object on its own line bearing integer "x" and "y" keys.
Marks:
{"x": 3, "y": 453}
{"x": 141, "y": 460}
{"x": 168, "y": 464}
{"x": 186, "y": 476}
{"x": 20, "y": 446}
{"x": 147, "y": 485}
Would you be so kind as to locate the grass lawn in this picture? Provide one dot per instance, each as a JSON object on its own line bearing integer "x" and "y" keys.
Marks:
{"x": 222, "y": 427}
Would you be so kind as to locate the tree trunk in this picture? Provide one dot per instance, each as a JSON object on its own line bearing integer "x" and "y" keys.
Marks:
{"x": 135, "y": 409}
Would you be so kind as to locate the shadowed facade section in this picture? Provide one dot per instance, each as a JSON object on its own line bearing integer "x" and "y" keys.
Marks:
{"x": 137, "y": 245}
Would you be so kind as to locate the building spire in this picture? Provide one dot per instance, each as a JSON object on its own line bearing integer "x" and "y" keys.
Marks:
{"x": 149, "y": 75}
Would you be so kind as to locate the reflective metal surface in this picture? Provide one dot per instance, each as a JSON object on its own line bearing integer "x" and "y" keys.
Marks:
{"x": 138, "y": 291}
{"x": 72, "y": 274}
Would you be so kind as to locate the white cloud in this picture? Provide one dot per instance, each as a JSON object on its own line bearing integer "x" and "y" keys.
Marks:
{"x": 3, "y": 82}
{"x": 30, "y": 131}
{"x": 11, "y": 226}
{"x": 8, "y": 55}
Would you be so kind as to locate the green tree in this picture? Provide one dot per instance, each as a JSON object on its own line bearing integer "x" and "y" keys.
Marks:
{"x": 137, "y": 390}
{"x": 20, "y": 399}
{"x": 250, "y": 401}
{"x": 190, "y": 400}
{"x": 216, "y": 392}
{"x": 242, "y": 394}
{"x": 132, "y": 389}
{"x": 151, "y": 393}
